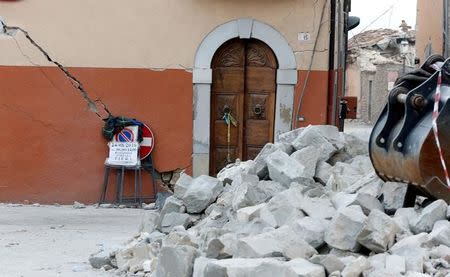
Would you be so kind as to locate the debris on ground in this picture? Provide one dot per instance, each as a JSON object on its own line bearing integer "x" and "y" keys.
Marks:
{"x": 308, "y": 205}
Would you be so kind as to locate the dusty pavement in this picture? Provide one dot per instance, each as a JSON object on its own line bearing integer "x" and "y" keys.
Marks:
{"x": 52, "y": 241}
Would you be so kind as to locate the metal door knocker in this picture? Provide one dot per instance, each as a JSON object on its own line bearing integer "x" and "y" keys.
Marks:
{"x": 226, "y": 109}
{"x": 258, "y": 109}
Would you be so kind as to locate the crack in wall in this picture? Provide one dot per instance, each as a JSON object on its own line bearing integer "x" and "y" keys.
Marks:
{"x": 31, "y": 117}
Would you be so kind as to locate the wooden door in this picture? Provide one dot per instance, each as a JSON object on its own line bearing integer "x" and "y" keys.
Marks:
{"x": 244, "y": 73}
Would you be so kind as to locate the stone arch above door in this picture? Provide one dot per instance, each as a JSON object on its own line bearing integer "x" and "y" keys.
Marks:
{"x": 202, "y": 78}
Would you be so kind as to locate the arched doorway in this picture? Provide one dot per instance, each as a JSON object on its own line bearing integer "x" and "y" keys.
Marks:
{"x": 243, "y": 86}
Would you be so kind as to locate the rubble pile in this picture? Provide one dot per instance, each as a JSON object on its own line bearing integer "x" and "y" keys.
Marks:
{"x": 309, "y": 205}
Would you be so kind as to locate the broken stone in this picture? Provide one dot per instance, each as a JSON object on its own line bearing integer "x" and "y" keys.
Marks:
{"x": 249, "y": 213}
{"x": 311, "y": 230}
{"x": 161, "y": 199}
{"x": 439, "y": 252}
{"x": 149, "y": 222}
{"x": 448, "y": 212}
{"x": 260, "y": 165}
{"x": 355, "y": 268}
{"x": 323, "y": 172}
{"x": 77, "y": 205}
{"x": 312, "y": 137}
{"x": 176, "y": 261}
{"x": 202, "y": 192}
{"x": 232, "y": 171}
{"x": 393, "y": 196}
{"x": 277, "y": 243}
{"x": 302, "y": 267}
{"x": 290, "y": 136}
{"x": 354, "y": 146}
{"x": 378, "y": 234}
{"x": 396, "y": 264}
{"x": 133, "y": 255}
{"x": 344, "y": 175}
{"x": 278, "y": 214}
{"x": 172, "y": 205}
{"x": 345, "y": 227}
{"x": 100, "y": 259}
{"x": 182, "y": 185}
{"x": 307, "y": 157}
{"x": 370, "y": 184}
{"x": 441, "y": 233}
{"x": 365, "y": 201}
{"x": 238, "y": 267}
{"x": 428, "y": 216}
{"x": 413, "y": 250}
{"x": 317, "y": 207}
{"x": 170, "y": 220}
{"x": 330, "y": 262}
{"x": 284, "y": 169}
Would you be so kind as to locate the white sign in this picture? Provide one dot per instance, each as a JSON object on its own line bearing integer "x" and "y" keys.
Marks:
{"x": 304, "y": 36}
{"x": 123, "y": 153}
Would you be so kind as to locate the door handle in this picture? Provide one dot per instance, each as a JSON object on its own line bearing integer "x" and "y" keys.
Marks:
{"x": 258, "y": 109}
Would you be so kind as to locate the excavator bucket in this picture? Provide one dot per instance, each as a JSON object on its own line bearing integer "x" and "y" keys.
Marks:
{"x": 402, "y": 144}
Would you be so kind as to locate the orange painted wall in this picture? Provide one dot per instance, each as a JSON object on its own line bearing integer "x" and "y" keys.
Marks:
{"x": 314, "y": 107}
{"x": 52, "y": 148}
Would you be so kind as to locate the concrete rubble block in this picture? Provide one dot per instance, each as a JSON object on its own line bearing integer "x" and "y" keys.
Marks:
{"x": 331, "y": 133}
{"x": 311, "y": 230}
{"x": 172, "y": 205}
{"x": 354, "y": 146}
{"x": 240, "y": 199}
{"x": 382, "y": 272}
{"x": 232, "y": 171}
{"x": 396, "y": 264}
{"x": 428, "y": 216}
{"x": 182, "y": 185}
{"x": 323, "y": 172}
{"x": 176, "y": 261}
{"x": 440, "y": 234}
{"x": 77, "y": 205}
{"x": 303, "y": 268}
{"x": 440, "y": 252}
{"x": 249, "y": 213}
{"x": 307, "y": 157}
{"x": 378, "y": 233}
{"x": 149, "y": 222}
{"x": 276, "y": 215}
{"x": 244, "y": 178}
{"x": 312, "y": 137}
{"x": 370, "y": 183}
{"x": 280, "y": 242}
{"x": 260, "y": 165}
{"x": 356, "y": 267}
{"x": 133, "y": 255}
{"x": 342, "y": 200}
{"x": 263, "y": 191}
{"x": 202, "y": 192}
{"x": 284, "y": 169}
{"x": 290, "y": 136}
{"x": 377, "y": 261}
{"x": 161, "y": 199}
{"x": 414, "y": 250}
{"x": 101, "y": 258}
{"x": 285, "y": 147}
{"x": 179, "y": 236}
{"x": 367, "y": 202}
{"x": 393, "y": 196}
{"x": 170, "y": 220}
{"x": 345, "y": 227}
{"x": 330, "y": 262}
{"x": 262, "y": 267}
{"x": 317, "y": 207}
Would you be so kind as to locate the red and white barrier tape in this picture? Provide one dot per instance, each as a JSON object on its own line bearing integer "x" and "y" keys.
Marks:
{"x": 437, "y": 99}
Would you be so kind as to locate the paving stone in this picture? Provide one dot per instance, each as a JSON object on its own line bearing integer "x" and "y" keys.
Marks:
{"x": 378, "y": 233}
{"x": 345, "y": 227}
{"x": 393, "y": 196}
{"x": 330, "y": 262}
{"x": 201, "y": 193}
{"x": 441, "y": 233}
{"x": 284, "y": 169}
{"x": 176, "y": 261}
{"x": 307, "y": 157}
{"x": 428, "y": 216}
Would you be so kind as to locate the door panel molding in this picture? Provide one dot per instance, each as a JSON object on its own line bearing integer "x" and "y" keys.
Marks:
{"x": 286, "y": 79}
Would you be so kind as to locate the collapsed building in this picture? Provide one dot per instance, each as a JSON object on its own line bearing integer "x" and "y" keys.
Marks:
{"x": 376, "y": 58}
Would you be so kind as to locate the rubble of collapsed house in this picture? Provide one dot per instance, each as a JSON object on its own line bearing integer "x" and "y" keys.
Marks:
{"x": 381, "y": 46}
{"x": 308, "y": 205}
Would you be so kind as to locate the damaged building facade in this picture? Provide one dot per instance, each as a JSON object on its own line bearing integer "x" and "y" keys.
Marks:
{"x": 376, "y": 58}
{"x": 178, "y": 66}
